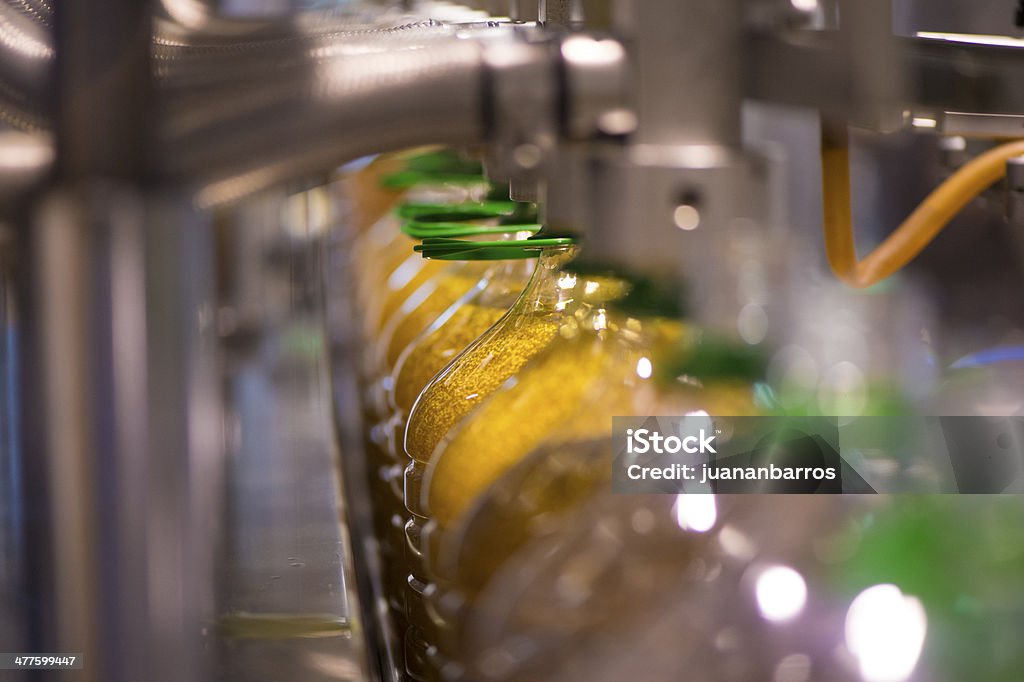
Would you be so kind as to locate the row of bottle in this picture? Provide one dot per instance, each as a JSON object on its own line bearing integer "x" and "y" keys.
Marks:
{"x": 492, "y": 373}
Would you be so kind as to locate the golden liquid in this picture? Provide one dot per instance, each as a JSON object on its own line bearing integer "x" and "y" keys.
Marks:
{"x": 480, "y": 370}
{"x": 409, "y": 276}
{"x": 546, "y": 484}
{"x": 419, "y": 363}
{"x": 546, "y": 399}
{"x": 243, "y": 625}
{"x": 411, "y": 320}
{"x": 553, "y": 479}
{"x": 492, "y": 360}
{"x": 438, "y": 348}
{"x": 474, "y": 374}
{"x": 530, "y": 327}
{"x": 535, "y": 498}
{"x": 375, "y": 263}
{"x": 371, "y": 201}
{"x": 509, "y": 425}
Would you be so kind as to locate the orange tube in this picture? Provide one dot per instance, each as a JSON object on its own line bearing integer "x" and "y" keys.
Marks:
{"x": 917, "y": 231}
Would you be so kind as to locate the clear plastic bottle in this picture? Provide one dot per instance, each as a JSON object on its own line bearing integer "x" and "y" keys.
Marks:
{"x": 850, "y": 588}
{"x": 537, "y": 492}
{"x": 486, "y": 286}
{"x": 661, "y": 587}
{"x": 454, "y": 329}
{"x": 592, "y": 344}
{"x": 599, "y": 343}
{"x": 496, "y": 220}
{"x": 453, "y": 279}
{"x": 528, "y": 327}
{"x": 385, "y": 266}
{"x": 551, "y": 298}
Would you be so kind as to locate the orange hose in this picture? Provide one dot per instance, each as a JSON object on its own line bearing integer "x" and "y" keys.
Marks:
{"x": 917, "y": 231}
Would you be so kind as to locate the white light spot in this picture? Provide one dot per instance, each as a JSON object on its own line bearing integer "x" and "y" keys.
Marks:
{"x": 600, "y": 321}
{"x": 752, "y": 324}
{"x": 781, "y": 593}
{"x": 591, "y": 287}
{"x": 527, "y": 156}
{"x": 737, "y": 544}
{"x": 642, "y": 521}
{"x": 974, "y": 39}
{"x": 644, "y": 368}
{"x": 686, "y": 217}
{"x": 805, "y": 5}
{"x": 567, "y": 281}
{"x": 793, "y": 668}
{"x": 590, "y": 51}
{"x": 696, "y": 512}
{"x": 885, "y": 630}
{"x": 924, "y": 122}
{"x": 617, "y": 122}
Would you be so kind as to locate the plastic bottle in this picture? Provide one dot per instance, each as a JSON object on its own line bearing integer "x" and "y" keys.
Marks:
{"x": 453, "y": 279}
{"x": 485, "y": 365}
{"x": 539, "y": 491}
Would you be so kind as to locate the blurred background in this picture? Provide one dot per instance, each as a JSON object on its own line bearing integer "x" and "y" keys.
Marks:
{"x": 316, "y": 315}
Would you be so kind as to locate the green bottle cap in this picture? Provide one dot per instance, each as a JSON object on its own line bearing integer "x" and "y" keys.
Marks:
{"x": 440, "y": 167}
{"x": 413, "y": 209}
{"x": 465, "y": 220}
{"x": 512, "y": 249}
{"x": 444, "y": 161}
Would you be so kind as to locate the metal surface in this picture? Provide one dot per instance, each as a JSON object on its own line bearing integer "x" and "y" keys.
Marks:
{"x": 346, "y": 365}
{"x": 293, "y": 123}
{"x": 25, "y": 159}
{"x": 26, "y": 60}
{"x": 993, "y": 126}
{"x": 103, "y": 49}
{"x": 122, "y": 417}
{"x": 522, "y": 107}
{"x": 597, "y": 82}
{"x": 687, "y": 57}
{"x": 560, "y": 13}
{"x": 1015, "y": 191}
{"x": 654, "y": 199}
{"x": 872, "y": 62}
{"x": 288, "y": 606}
{"x": 806, "y": 68}
{"x": 524, "y": 10}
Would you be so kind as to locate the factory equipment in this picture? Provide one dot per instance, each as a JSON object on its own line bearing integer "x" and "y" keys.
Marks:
{"x": 317, "y": 316}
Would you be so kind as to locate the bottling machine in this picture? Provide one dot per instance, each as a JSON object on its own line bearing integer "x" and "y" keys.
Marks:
{"x": 181, "y": 457}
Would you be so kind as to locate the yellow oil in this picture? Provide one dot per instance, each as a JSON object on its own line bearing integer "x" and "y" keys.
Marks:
{"x": 412, "y": 273}
{"x": 435, "y": 350}
{"x": 490, "y": 361}
{"x": 544, "y": 398}
{"x": 452, "y": 331}
{"x": 509, "y": 425}
{"x": 544, "y": 489}
{"x": 544, "y": 316}
{"x": 481, "y": 369}
{"x": 370, "y": 199}
{"x": 570, "y": 465}
{"x": 424, "y": 306}
{"x": 243, "y": 625}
